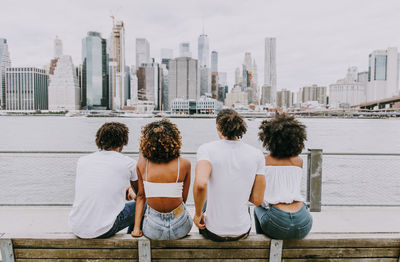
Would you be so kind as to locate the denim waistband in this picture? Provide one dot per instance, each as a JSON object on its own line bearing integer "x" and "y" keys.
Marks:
{"x": 170, "y": 215}
{"x": 291, "y": 214}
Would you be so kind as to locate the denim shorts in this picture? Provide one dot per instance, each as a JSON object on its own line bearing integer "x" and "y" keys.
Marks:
{"x": 279, "y": 224}
{"x": 163, "y": 226}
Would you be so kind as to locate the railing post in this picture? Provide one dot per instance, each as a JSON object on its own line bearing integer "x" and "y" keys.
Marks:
{"x": 275, "y": 250}
{"x": 144, "y": 250}
{"x": 7, "y": 252}
{"x": 314, "y": 179}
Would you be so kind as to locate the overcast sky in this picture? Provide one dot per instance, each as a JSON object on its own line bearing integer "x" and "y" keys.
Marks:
{"x": 316, "y": 40}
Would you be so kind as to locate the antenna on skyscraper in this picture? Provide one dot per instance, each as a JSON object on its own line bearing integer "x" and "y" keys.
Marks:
{"x": 202, "y": 20}
{"x": 113, "y": 19}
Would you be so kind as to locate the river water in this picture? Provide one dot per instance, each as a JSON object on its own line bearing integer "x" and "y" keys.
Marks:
{"x": 49, "y": 178}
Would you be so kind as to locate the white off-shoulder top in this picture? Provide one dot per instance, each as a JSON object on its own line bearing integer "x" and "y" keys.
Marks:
{"x": 282, "y": 184}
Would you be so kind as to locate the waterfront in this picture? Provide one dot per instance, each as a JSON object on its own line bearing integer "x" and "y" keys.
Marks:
{"x": 48, "y": 179}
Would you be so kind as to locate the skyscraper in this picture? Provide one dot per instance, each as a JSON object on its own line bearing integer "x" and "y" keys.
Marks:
{"x": 58, "y": 47}
{"x": 95, "y": 91}
{"x": 214, "y": 62}
{"x": 150, "y": 84}
{"x": 63, "y": 86}
{"x": 142, "y": 52}
{"x": 238, "y": 77}
{"x": 183, "y": 80}
{"x": 203, "y": 51}
{"x": 5, "y": 62}
{"x": 26, "y": 88}
{"x": 166, "y": 55}
{"x": 270, "y": 66}
{"x": 117, "y": 68}
{"x": 184, "y": 50}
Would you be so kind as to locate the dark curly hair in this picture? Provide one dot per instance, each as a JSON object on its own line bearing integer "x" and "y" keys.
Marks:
{"x": 231, "y": 124}
{"x": 112, "y": 135}
{"x": 161, "y": 141}
{"x": 283, "y": 136}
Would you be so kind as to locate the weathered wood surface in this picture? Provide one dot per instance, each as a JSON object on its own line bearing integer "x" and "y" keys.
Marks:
{"x": 74, "y": 260}
{"x": 209, "y": 253}
{"x": 76, "y": 253}
{"x": 341, "y": 252}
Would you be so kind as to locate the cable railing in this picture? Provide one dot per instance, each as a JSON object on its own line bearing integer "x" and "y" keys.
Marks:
{"x": 46, "y": 178}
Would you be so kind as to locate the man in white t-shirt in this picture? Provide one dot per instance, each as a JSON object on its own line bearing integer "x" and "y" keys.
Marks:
{"x": 229, "y": 174}
{"x": 100, "y": 209}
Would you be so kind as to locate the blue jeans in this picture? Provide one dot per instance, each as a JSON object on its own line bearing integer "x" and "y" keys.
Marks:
{"x": 278, "y": 224}
{"x": 162, "y": 226}
{"x": 126, "y": 218}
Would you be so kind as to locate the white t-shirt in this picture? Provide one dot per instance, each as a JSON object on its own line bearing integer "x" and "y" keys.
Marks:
{"x": 234, "y": 168}
{"x": 101, "y": 181}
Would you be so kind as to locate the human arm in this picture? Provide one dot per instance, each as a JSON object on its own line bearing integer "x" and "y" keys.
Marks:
{"x": 186, "y": 181}
{"x": 203, "y": 173}
{"x": 257, "y": 192}
{"x": 140, "y": 202}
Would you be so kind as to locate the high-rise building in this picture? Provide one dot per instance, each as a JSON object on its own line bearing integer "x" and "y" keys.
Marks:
{"x": 205, "y": 80}
{"x": 349, "y": 91}
{"x": 236, "y": 97}
{"x": 284, "y": 98}
{"x": 142, "y": 52}
{"x": 64, "y": 93}
{"x": 95, "y": 91}
{"x": 238, "y": 77}
{"x": 26, "y": 88}
{"x": 117, "y": 68}
{"x": 134, "y": 84}
{"x": 58, "y": 47}
{"x": 214, "y": 62}
{"x": 183, "y": 79}
{"x": 203, "y": 51}
{"x": 383, "y": 74}
{"x": 314, "y": 93}
{"x": 184, "y": 50}
{"x": 164, "y": 100}
{"x": 150, "y": 84}
{"x": 266, "y": 95}
{"x": 166, "y": 55}
{"x": 5, "y": 62}
{"x": 270, "y": 66}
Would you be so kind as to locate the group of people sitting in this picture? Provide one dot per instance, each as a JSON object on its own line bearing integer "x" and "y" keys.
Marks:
{"x": 228, "y": 175}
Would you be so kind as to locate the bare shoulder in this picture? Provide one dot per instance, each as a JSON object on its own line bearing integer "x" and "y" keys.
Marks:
{"x": 185, "y": 162}
{"x": 298, "y": 161}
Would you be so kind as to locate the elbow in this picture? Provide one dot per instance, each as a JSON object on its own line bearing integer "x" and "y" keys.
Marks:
{"x": 258, "y": 202}
{"x": 201, "y": 186}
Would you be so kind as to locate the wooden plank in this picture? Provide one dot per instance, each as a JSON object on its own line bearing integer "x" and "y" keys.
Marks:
{"x": 75, "y": 243}
{"x": 275, "y": 250}
{"x": 209, "y": 253}
{"x": 76, "y": 253}
{"x": 209, "y": 260}
{"x": 75, "y": 260}
{"x": 342, "y": 242}
{"x": 342, "y": 260}
{"x": 144, "y": 250}
{"x": 342, "y": 253}
{"x": 198, "y": 241}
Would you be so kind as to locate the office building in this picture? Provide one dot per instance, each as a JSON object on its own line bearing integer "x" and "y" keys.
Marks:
{"x": 236, "y": 97}
{"x": 117, "y": 68}
{"x": 183, "y": 79}
{"x": 266, "y": 95}
{"x": 58, "y": 47}
{"x": 184, "y": 50}
{"x": 383, "y": 74}
{"x": 214, "y": 62}
{"x": 313, "y": 93}
{"x": 26, "y": 88}
{"x": 203, "y": 51}
{"x": 5, "y": 62}
{"x": 238, "y": 76}
{"x": 284, "y": 98}
{"x": 349, "y": 91}
{"x": 142, "y": 52}
{"x": 150, "y": 84}
{"x": 95, "y": 87}
{"x": 166, "y": 55}
{"x": 64, "y": 93}
{"x": 270, "y": 67}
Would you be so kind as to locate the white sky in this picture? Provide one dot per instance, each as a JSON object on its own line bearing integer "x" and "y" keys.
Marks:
{"x": 316, "y": 40}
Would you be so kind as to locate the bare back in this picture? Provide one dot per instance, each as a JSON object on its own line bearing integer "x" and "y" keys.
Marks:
{"x": 165, "y": 173}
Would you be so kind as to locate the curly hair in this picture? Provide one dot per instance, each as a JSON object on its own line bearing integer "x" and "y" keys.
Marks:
{"x": 112, "y": 135}
{"x": 161, "y": 141}
{"x": 283, "y": 136}
{"x": 231, "y": 124}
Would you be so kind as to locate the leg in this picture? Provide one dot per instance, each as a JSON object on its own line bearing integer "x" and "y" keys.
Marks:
{"x": 126, "y": 218}
{"x": 260, "y": 218}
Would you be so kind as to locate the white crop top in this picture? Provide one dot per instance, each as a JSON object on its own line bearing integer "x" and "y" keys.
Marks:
{"x": 282, "y": 184}
{"x": 162, "y": 189}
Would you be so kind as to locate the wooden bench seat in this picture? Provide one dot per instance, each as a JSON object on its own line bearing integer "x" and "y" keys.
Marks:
{"x": 122, "y": 247}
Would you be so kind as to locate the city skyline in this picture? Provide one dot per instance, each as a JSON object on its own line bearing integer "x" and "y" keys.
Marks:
{"x": 348, "y": 29}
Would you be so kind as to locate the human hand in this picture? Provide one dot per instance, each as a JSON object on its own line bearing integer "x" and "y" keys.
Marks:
{"x": 130, "y": 195}
{"x": 137, "y": 233}
{"x": 199, "y": 221}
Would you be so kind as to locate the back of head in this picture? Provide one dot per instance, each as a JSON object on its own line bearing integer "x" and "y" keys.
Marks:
{"x": 112, "y": 135}
{"x": 283, "y": 136}
{"x": 161, "y": 141}
{"x": 231, "y": 124}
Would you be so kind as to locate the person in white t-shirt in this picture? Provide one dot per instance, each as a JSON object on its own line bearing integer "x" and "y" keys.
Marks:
{"x": 229, "y": 174}
{"x": 100, "y": 209}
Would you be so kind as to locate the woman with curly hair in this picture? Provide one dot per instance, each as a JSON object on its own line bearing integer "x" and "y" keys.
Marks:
{"x": 164, "y": 181}
{"x": 230, "y": 174}
{"x": 283, "y": 214}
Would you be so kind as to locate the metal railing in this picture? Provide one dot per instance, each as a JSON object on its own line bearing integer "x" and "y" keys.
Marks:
{"x": 46, "y": 178}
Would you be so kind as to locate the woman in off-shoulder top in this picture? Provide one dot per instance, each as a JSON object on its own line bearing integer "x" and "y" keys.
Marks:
{"x": 283, "y": 214}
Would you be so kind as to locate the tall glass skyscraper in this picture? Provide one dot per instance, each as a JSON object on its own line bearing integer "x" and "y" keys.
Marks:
{"x": 270, "y": 66}
{"x": 214, "y": 62}
{"x": 203, "y": 51}
{"x": 95, "y": 93}
{"x": 5, "y": 62}
{"x": 142, "y": 52}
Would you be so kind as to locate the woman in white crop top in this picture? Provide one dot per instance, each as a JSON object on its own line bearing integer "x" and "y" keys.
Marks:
{"x": 163, "y": 181}
{"x": 283, "y": 214}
